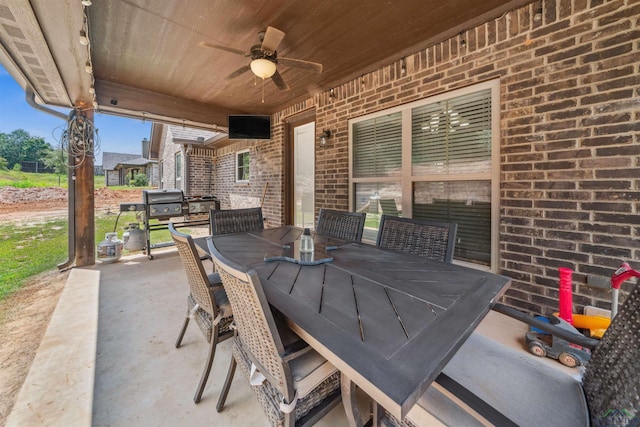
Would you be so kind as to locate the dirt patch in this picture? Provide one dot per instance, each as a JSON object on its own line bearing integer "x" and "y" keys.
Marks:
{"x": 24, "y": 317}
{"x": 19, "y": 204}
{"x": 25, "y": 314}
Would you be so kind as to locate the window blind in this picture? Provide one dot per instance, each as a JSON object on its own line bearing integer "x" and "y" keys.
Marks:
{"x": 377, "y": 147}
{"x": 453, "y": 136}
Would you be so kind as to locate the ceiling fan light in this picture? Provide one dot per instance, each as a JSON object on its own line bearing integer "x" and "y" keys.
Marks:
{"x": 263, "y": 68}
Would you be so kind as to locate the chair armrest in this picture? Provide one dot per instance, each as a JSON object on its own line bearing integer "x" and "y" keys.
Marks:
{"x": 294, "y": 350}
{"x": 547, "y": 327}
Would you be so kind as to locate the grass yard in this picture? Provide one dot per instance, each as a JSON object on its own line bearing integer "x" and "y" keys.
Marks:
{"x": 20, "y": 179}
{"x": 30, "y": 249}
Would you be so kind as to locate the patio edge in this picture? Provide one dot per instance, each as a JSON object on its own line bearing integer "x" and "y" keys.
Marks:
{"x": 58, "y": 389}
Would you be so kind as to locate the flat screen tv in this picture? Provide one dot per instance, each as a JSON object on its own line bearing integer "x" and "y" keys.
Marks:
{"x": 249, "y": 126}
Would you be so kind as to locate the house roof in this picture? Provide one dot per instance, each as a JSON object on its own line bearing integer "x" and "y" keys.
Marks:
{"x": 139, "y": 161}
{"x": 111, "y": 160}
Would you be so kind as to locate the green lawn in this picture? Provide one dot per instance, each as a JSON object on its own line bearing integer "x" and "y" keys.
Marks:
{"x": 27, "y": 180}
{"x": 29, "y": 249}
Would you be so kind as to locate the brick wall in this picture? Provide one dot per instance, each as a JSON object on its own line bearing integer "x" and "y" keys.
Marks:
{"x": 570, "y": 152}
{"x": 200, "y": 169}
{"x": 168, "y": 158}
{"x": 265, "y": 172}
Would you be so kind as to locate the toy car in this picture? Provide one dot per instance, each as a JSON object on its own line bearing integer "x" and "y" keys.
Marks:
{"x": 543, "y": 344}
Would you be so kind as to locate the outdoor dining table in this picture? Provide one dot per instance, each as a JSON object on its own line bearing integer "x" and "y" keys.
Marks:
{"x": 388, "y": 321}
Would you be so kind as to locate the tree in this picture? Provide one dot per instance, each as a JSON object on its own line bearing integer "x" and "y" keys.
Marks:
{"x": 56, "y": 160}
{"x": 18, "y": 146}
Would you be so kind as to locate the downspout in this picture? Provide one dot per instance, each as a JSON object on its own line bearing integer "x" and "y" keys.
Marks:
{"x": 30, "y": 97}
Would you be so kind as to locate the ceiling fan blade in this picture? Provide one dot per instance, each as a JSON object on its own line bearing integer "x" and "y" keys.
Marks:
{"x": 299, "y": 63}
{"x": 279, "y": 82}
{"x": 238, "y": 72}
{"x": 272, "y": 39}
{"x": 225, "y": 48}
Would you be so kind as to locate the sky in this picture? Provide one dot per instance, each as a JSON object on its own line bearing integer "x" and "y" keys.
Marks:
{"x": 116, "y": 134}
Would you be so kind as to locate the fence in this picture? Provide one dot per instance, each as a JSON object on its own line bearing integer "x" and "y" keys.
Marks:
{"x": 35, "y": 167}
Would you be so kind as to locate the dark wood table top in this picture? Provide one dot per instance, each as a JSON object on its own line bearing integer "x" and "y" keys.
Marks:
{"x": 389, "y": 321}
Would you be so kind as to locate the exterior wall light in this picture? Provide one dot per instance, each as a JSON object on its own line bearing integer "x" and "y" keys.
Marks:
{"x": 324, "y": 137}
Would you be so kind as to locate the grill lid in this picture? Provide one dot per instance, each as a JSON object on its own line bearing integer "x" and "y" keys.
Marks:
{"x": 151, "y": 197}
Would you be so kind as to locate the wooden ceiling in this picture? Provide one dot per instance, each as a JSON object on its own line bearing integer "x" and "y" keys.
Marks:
{"x": 146, "y": 57}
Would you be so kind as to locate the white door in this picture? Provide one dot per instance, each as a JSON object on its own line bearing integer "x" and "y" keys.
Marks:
{"x": 304, "y": 173}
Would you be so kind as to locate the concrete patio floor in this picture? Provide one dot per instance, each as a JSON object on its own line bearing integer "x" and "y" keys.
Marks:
{"x": 108, "y": 357}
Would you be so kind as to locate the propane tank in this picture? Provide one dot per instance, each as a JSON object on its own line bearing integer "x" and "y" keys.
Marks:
{"x": 135, "y": 238}
{"x": 110, "y": 249}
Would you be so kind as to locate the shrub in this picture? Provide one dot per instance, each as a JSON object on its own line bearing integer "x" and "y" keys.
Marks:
{"x": 3, "y": 164}
{"x": 140, "y": 180}
{"x": 17, "y": 167}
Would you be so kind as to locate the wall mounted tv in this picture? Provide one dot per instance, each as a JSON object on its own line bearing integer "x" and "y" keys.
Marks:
{"x": 249, "y": 126}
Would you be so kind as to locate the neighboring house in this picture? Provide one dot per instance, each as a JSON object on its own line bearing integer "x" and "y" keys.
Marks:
{"x": 120, "y": 169}
{"x": 185, "y": 158}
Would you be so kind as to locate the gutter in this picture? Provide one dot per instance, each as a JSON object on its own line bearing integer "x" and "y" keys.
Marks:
{"x": 31, "y": 100}
{"x": 30, "y": 97}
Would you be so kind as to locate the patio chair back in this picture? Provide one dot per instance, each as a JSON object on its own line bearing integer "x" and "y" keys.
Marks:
{"x": 207, "y": 303}
{"x": 341, "y": 224}
{"x": 297, "y": 386}
{"x": 612, "y": 378}
{"x": 433, "y": 240}
{"x": 196, "y": 275}
{"x": 254, "y": 321}
{"x": 235, "y": 220}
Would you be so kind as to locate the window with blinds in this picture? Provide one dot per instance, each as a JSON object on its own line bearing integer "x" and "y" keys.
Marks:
{"x": 377, "y": 147}
{"x": 448, "y": 173}
{"x": 452, "y": 136}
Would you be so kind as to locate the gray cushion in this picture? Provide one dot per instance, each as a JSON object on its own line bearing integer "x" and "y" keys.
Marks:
{"x": 214, "y": 280}
{"x": 518, "y": 384}
{"x": 223, "y": 301}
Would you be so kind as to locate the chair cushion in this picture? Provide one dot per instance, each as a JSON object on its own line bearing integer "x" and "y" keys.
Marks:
{"x": 222, "y": 300}
{"x": 517, "y": 384}
{"x": 308, "y": 371}
{"x": 214, "y": 280}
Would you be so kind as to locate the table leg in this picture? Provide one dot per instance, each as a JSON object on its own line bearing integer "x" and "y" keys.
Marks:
{"x": 377, "y": 413}
{"x": 348, "y": 389}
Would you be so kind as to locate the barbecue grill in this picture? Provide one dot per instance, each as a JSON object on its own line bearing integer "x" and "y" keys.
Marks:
{"x": 164, "y": 205}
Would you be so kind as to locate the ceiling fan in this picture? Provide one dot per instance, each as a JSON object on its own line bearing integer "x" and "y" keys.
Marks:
{"x": 264, "y": 58}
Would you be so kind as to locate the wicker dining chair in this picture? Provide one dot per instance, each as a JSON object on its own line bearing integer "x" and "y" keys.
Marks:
{"x": 527, "y": 392}
{"x": 207, "y": 303}
{"x": 294, "y": 384}
{"x": 341, "y": 224}
{"x": 433, "y": 240}
{"x": 235, "y": 220}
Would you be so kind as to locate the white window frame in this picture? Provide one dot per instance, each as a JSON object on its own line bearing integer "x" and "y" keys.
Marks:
{"x": 178, "y": 167}
{"x": 237, "y": 168}
{"x": 407, "y": 179}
